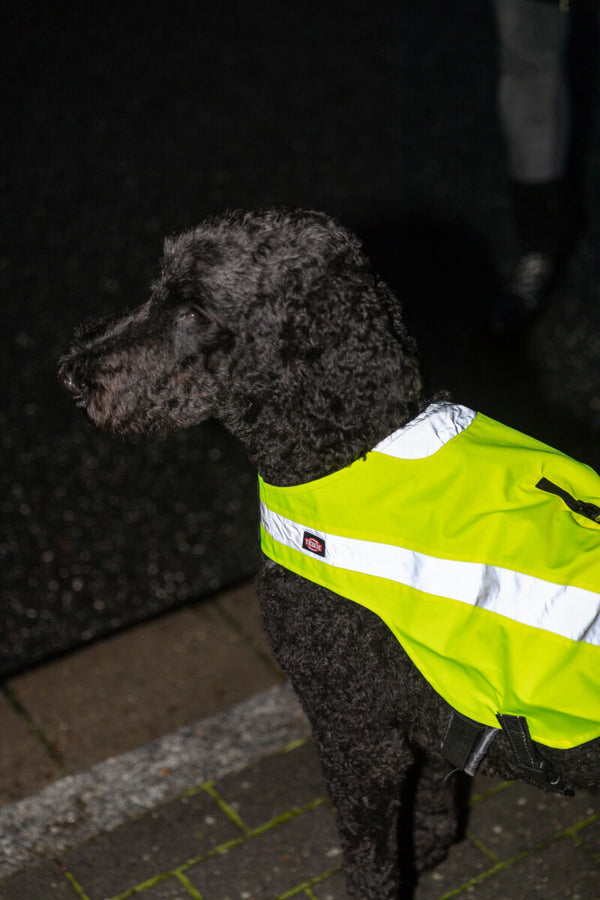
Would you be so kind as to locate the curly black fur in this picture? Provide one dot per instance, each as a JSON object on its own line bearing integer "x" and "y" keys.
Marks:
{"x": 274, "y": 323}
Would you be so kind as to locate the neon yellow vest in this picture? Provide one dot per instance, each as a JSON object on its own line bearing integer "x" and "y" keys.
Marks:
{"x": 479, "y": 548}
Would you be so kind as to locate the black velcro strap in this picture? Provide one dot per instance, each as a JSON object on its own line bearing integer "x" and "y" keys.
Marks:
{"x": 517, "y": 731}
{"x": 466, "y": 742}
{"x": 527, "y": 757}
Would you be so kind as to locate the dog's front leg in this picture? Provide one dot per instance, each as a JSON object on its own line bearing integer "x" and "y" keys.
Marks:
{"x": 346, "y": 668}
{"x": 366, "y": 784}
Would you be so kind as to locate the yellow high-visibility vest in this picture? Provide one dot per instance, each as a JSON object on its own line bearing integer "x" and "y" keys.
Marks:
{"x": 479, "y": 547}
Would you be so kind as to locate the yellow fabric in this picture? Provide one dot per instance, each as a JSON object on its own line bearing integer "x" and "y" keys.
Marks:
{"x": 474, "y": 500}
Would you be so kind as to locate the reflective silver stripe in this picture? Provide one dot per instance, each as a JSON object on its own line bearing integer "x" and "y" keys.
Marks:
{"x": 425, "y": 435}
{"x": 565, "y": 610}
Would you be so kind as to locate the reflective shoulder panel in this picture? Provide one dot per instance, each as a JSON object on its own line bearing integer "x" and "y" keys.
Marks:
{"x": 428, "y": 432}
{"x": 491, "y": 584}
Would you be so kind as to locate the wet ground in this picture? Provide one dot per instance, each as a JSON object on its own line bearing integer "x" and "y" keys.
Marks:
{"x": 123, "y": 125}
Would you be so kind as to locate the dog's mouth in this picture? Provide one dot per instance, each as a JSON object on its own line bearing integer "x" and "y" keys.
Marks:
{"x": 110, "y": 413}
{"x": 70, "y": 382}
{"x": 82, "y": 393}
{"x": 66, "y": 379}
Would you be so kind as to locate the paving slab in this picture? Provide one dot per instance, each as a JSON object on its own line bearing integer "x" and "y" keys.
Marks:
{"x": 522, "y": 817}
{"x": 273, "y": 862}
{"x": 590, "y": 838}
{"x": 465, "y": 862}
{"x": 47, "y": 881}
{"x": 25, "y": 765}
{"x": 274, "y": 786}
{"x": 157, "y": 842}
{"x": 240, "y": 607}
{"x": 563, "y": 872}
{"x": 332, "y": 888}
{"x": 169, "y": 889}
{"x": 129, "y": 689}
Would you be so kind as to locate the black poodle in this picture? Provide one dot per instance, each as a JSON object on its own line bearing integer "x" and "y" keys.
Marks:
{"x": 274, "y": 323}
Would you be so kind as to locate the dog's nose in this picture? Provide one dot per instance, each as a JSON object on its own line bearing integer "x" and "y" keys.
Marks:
{"x": 67, "y": 380}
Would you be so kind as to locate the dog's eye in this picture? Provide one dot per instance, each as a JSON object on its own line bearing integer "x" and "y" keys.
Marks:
{"x": 192, "y": 313}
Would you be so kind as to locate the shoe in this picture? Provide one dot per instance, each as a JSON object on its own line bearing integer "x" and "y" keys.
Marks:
{"x": 533, "y": 279}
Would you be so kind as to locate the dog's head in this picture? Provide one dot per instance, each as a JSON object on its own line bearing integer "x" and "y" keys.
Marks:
{"x": 153, "y": 369}
{"x": 257, "y": 318}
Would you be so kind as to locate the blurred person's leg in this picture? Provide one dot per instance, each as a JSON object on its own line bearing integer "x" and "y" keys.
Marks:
{"x": 534, "y": 110}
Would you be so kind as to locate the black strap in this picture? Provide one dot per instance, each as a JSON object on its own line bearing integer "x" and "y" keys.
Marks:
{"x": 581, "y": 507}
{"x": 534, "y": 766}
{"x": 466, "y": 742}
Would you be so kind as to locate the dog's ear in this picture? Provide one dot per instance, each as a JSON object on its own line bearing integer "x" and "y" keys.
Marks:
{"x": 340, "y": 335}
{"x": 393, "y": 309}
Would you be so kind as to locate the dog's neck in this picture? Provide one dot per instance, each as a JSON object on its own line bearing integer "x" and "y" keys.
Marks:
{"x": 294, "y": 448}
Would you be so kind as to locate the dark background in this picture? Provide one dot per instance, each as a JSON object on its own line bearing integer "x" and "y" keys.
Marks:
{"x": 124, "y": 123}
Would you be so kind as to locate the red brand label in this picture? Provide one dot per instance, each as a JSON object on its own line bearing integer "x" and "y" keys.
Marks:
{"x": 313, "y": 543}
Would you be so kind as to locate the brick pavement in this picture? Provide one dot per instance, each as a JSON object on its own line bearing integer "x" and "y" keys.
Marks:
{"x": 250, "y": 822}
{"x": 268, "y": 832}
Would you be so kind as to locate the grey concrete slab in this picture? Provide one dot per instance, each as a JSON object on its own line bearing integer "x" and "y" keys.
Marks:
{"x": 135, "y": 686}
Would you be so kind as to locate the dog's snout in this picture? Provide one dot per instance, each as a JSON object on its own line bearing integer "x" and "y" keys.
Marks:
{"x": 67, "y": 380}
